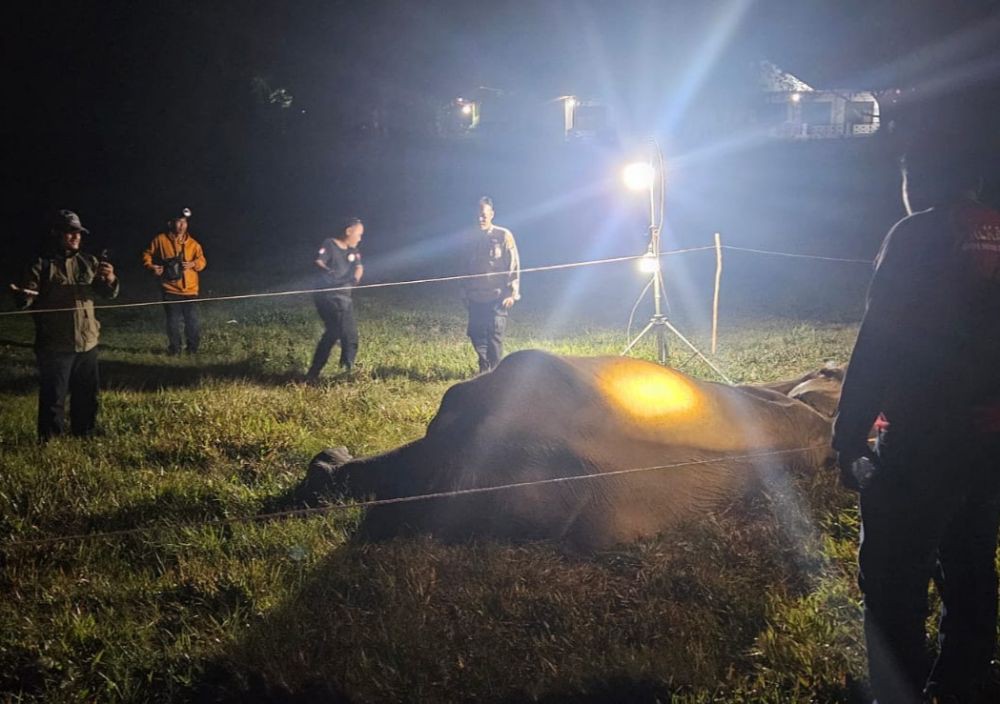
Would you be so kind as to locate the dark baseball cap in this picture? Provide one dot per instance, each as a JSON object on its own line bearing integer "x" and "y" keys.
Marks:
{"x": 67, "y": 221}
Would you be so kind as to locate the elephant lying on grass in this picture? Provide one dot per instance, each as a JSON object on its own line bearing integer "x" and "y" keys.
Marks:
{"x": 538, "y": 416}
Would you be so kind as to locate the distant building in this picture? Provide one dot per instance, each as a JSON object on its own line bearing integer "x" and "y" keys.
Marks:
{"x": 583, "y": 118}
{"x": 766, "y": 102}
{"x": 792, "y": 109}
{"x": 492, "y": 112}
{"x": 483, "y": 110}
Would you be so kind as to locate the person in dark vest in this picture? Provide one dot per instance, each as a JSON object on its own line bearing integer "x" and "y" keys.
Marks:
{"x": 66, "y": 281}
{"x": 176, "y": 258}
{"x": 925, "y": 373}
{"x": 493, "y": 251}
{"x": 339, "y": 263}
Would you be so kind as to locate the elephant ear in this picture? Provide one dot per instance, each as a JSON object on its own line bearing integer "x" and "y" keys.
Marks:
{"x": 832, "y": 370}
{"x": 321, "y": 475}
{"x": 822, "y": 394}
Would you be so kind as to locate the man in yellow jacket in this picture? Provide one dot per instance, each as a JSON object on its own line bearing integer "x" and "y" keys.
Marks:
{"x": 176, "y": 258}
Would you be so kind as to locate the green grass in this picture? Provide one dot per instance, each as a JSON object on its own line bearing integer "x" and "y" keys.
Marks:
{"x": 737, "y": 607}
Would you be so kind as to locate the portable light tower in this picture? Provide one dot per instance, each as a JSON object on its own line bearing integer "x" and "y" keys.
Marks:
{"x": 649, "y": 176}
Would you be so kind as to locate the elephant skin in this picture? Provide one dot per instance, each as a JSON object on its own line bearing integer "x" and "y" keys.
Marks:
{"x": 539, "y": 416}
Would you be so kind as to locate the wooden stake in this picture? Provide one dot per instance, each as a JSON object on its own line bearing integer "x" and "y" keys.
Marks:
{"x": 715, "y": 298}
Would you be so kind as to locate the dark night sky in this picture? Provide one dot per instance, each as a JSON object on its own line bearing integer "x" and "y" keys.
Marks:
{"x": 124, "y": 110}
{"x": 98, "y": 74}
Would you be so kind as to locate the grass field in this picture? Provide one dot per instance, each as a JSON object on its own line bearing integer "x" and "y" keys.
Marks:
{"x": 744, "y": 606}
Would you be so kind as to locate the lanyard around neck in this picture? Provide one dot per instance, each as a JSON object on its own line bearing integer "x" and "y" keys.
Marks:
{"x": 178, "y": 243}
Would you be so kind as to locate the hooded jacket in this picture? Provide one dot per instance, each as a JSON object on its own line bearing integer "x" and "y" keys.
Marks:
{"x": 164, "y": 247}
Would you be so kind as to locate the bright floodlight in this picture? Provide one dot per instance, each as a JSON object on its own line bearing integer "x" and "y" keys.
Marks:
{"x": 639, "y": 176}
{"x": 466, "y": 109}
{"x": 796, "y": 97}
{"x": 571, "y": 102}
{"x": 649, "y": 263}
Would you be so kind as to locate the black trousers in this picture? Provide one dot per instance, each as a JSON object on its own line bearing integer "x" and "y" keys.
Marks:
{"x": 487, "y": 323}
{"x": 178, "y": 313}
{"x": 338, "y": 319}
{"x": 931, "y": 511}
{"x": 61, "y": 374}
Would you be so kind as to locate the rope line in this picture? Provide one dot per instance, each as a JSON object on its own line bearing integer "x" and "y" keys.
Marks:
{"x": 438, "y": 279}
{"x": 295, "y": 513}
{"x": 386, "y": 284}
{"x": 796, "y": 256}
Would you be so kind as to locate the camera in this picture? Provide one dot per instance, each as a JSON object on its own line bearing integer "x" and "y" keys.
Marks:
{"x": 864, "y": 469}
{"x": 173, "y": 269}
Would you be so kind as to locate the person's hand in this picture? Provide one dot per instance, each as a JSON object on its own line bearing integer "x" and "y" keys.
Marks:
{"x": 24, "y": 291}
{"x": 845, "y": 462}
{"x": 359, "y": 271}
{"x": 158, "y": 270}
{"x": 508, "y": 303}
{"x": 187, "y": 265}
{"x": 106, "y": 272}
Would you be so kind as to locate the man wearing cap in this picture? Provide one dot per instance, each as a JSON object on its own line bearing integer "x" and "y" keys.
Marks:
{"x": 339, "y": 263}
{"x": 176, "y": 258}
{"x": 65, "y": 281}
{"x": 492, "y": 252}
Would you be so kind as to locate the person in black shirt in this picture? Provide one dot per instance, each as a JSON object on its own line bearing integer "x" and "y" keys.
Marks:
{"x": 339, "y": 262}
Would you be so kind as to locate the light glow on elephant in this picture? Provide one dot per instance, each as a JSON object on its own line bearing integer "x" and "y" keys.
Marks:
{"x": 647, "y": 390}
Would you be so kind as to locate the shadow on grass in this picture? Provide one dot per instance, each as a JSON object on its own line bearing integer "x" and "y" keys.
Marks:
{"x": 104, "y": 347}
{"x": 158, "y": 517}
{"x": 16, "y": 343}
{"x": 219, "y": 687}
{"x": 12, "y": 379}
{"x": 135, "y": 376}
{"x": 435, "y": 373}
{"x": 141, "y": 349}
{"x": 19, "y": 384}
{"x": 417, "y": 620}
{"x": 143, "y": 376}
{"x": 616, "y": 690}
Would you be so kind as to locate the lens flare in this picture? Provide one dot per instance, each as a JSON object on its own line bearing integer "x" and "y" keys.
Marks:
{"x": 649, "y": 263}
{"x": 639, "y": 176}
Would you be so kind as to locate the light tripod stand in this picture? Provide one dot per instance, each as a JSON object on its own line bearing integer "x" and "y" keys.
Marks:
{"x": 648, "y": 175}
